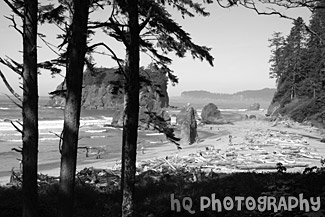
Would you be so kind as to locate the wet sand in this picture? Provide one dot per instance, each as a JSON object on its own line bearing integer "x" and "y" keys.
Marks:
{"x": 216, "y": 136}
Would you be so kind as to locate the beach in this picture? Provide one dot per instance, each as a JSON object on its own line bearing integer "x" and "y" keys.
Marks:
{"x": 254, "y": 143}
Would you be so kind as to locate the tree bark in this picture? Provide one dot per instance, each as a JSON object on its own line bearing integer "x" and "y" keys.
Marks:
{"x": 74, "y": 76}
{"x": 131, "y": 116}
{"x": 30, "y": 110}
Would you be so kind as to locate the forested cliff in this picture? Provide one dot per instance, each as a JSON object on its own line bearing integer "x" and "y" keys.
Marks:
{"x": 102, "y": 88}
{"x": 298, "y": 65}
{"x": 263, "y": 94}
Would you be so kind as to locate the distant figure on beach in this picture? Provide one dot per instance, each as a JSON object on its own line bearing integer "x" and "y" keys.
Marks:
{"x": 142, "y": 149}
{"x": 230, "y": 139}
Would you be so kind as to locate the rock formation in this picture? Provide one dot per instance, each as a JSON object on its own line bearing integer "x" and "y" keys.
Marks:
{"x": 189, "y": 127}
{"x": 273, "y": 109}
{"x": 210, "y": 114}
{"x": 182, "y": 115}
{"x": 252, "y": 117}
{"x": 102, "y": 89}
{"x": 255, "y": 106}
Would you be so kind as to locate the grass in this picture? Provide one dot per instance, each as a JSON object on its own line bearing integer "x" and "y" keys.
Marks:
{"x": 154, "y": 192}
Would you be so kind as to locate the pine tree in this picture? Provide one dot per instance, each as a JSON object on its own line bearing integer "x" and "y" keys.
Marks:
{"x": 316, "y": 51}
{"x": 296, "y": 44}
{"x": 287, "y": 61}
{"x": 169, "y": 37}
{"x": 277, "y": 43}
{"x": 77, "y": 47}
{"x": 30, "y": 110}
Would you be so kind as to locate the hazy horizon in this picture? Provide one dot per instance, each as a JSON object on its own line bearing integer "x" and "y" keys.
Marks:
{"x": 238, "y": 38}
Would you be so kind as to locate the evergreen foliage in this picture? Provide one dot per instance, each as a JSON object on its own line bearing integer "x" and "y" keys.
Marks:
{"x": 298, "y": 64}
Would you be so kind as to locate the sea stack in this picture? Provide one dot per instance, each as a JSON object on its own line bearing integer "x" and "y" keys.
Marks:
{"x": 210, "y": 114}
{"x": 188, "y": 126}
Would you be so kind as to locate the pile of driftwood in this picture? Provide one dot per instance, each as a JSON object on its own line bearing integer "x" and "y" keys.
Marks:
{"x": 16, "y": 179}
{"x": 261, "y": 150}
{"x": 98, "y": 177}
{"x": 101, "y": 178}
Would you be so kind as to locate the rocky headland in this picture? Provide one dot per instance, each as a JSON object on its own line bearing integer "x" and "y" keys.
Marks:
{"x": 103, "y": 89}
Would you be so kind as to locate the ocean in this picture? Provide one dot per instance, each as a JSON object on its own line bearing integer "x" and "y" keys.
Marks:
{"x": 93, "y": 133}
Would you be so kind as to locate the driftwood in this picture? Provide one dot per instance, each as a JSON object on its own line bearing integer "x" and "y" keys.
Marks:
{"x": 269, "y": 166}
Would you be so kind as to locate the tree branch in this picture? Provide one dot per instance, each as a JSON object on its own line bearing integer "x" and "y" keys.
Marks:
{"x": 14, "y": 9}
{"x": 115, "y": 26}
{"x": 112, "y": 52}
{"x": 12, "y": 19}
{"x": 95, "y": 25}
{"x": 145, "y": 22}
{"x": 251, "y": 5}
{"x": 47, "y": 44}
{"x": 9, "y": 87}
{"x": 288, "y": 4}
{"x": 19, "y": 130}
{"x": 13, "y": 68}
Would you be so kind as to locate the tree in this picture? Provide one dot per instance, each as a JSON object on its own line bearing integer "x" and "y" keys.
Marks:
{"x": 131, "y": 109}
{"x": 302, "y": 77}
{"x": 316, "y": 50}
{"x": 77, "y": 47}
{"x": 27, "y": 10}
{"x": 30, "y": 109}
{"x": 170, "y": 37}
{"x": 277, "y": 43}
{"x": 295, "y": 48}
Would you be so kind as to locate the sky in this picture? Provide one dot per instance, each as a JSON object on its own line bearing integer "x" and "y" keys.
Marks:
{"x": 238, "y": 39}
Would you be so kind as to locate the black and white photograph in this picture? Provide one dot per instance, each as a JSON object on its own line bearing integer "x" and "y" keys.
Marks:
{"x": 162, "y": 108}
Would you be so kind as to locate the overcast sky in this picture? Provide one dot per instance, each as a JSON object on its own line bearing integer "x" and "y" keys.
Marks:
{"x": 238, "y": 38}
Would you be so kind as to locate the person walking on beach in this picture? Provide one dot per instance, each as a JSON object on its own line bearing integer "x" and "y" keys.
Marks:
{"x": 230, "y": 139}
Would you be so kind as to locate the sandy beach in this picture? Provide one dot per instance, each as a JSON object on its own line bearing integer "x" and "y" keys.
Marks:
{"x": 270, "y": 143}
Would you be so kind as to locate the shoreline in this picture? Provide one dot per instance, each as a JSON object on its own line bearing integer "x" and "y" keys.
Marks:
{"x": 217, "y": 138}
{"x": 152, "y": 150}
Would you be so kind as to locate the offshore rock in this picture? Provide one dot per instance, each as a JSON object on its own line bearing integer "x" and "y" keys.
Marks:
{"x": 103, "y": 88}
{"x": 210, "y": 114}
{"x": 181, "y": 116}
{"x": 255, "y": 107}
{"x": 150, "y": 107}
{"x": 188, "y": 127}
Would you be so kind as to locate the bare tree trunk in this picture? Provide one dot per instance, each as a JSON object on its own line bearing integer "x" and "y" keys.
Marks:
{"x": 30, "y": 110}
{"x": 131, "y": 116}
{"x": 74, "y": 75}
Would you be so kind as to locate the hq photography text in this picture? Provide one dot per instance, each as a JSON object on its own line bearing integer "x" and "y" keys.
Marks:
{"x": 262, "y": 203}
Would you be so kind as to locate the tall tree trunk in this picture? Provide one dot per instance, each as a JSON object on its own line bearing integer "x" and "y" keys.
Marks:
{"x": 131, "y": 116}
{"x": 30, "y": 110}
{"x": 74, "y": 75}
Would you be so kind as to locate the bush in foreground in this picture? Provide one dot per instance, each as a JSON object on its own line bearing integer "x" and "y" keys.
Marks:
{"x": 154, "y": 195}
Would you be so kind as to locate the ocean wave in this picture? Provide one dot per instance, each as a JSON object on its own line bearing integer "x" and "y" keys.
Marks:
{"x": 47, "y": 128}
{"x": 95, "y": 131}
{"x": 154, "y": 134}
{"x": 93, "y": 137}
{"x": 14, "y": 140}
{"x": 40, "y": 139}
{"x": 15, "y": 133}
{"x": 6, "y": 126}
{"x": 49, "y": 139}
{"x": 4, "y": 108}
{"x": 233, "y": 110}
{"x": 107, "y": 118}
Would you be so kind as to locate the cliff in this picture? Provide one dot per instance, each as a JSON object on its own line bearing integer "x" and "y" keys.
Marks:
{"x": 265, "y": 94}
{"x": 102, "y": 89}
